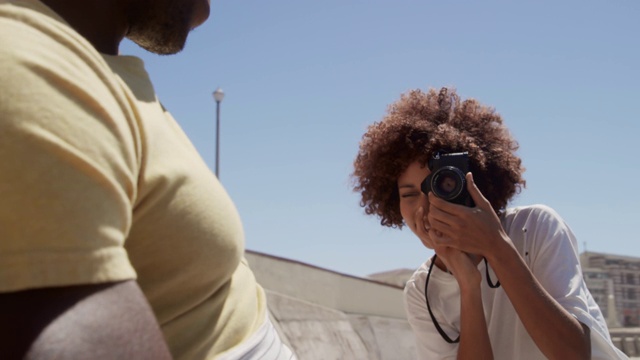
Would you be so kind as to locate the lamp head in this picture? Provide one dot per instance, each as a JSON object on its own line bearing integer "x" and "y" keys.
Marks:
{"x": 218, "y": 95}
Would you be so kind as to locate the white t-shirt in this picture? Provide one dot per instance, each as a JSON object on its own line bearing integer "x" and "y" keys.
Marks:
{"x": 549, "y": 248}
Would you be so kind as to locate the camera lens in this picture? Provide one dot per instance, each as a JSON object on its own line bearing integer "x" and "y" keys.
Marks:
{"x": 447, "y": 182}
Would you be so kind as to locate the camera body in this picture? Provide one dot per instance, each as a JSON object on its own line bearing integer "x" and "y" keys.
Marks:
{"x": 447, "y": 178}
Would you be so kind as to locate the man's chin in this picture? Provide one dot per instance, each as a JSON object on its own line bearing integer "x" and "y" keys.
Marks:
{"x": 160, "y": 47}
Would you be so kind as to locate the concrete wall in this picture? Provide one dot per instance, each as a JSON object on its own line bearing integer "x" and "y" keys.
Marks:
{"x": 315, "y": 332}
{"x": 324, "y": 315}
{"x": 327, "y": 288}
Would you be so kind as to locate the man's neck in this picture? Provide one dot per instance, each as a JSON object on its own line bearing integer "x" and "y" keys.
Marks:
{"x": 102, "y": 22}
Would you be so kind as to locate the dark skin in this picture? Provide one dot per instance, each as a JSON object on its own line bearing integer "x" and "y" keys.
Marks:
{"x": 109, "y": 320}
{"x": 102, "y": 321}
{"x": 102, "y": 22}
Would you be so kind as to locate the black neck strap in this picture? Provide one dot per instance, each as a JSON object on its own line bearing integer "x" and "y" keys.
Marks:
{"x": 433, "y": 318}
{"x": 491, "y": 284}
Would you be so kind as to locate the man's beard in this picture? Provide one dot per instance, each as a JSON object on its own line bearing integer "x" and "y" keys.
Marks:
{"x": 161, "y": 34}
{"x": 161, "y": 43}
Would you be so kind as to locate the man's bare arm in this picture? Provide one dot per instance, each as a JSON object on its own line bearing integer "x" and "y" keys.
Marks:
{"x": 112, "y": 320}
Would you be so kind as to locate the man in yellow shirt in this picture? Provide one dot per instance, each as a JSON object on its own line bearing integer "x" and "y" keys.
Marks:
{"x": 116, "y": 240}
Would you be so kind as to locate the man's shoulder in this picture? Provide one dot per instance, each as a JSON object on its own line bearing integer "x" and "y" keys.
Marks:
{"x": 28, "y": 13}
{"x": 28, "y": 27}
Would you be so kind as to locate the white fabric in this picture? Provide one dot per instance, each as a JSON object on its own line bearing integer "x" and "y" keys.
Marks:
{"x": 264, "y": 344}
{"x": 550, "y": 250}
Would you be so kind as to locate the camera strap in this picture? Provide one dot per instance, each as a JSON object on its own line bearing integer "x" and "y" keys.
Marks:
{"x": 491, "y": 284}
{"x": 433, "y": 318}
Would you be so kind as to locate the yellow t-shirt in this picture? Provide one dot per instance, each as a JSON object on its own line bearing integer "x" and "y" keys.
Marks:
{"x": 98, "y": 183}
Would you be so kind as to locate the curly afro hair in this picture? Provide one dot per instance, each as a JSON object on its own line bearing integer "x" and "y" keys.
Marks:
{"x": 420, "y": 124}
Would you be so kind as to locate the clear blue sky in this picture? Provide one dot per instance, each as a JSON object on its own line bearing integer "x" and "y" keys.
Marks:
{"x": 303, "y": 80}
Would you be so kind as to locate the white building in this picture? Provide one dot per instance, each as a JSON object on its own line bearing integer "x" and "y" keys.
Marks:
{"x": 614, "y": 282}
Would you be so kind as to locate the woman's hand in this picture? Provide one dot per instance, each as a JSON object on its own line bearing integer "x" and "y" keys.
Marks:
{"x": 474, "y": 230}
{"x": 477, "y": 230}
{"x": 460, "y": 264}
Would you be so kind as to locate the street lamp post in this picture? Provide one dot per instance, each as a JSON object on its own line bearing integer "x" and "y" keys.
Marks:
{"x": 218, "y": 95}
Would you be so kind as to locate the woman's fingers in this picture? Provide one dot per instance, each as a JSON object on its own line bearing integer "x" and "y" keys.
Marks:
{"x": 476, "y": 195}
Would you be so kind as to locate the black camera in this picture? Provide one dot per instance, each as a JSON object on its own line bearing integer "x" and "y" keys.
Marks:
{"x": 447, "y": 178}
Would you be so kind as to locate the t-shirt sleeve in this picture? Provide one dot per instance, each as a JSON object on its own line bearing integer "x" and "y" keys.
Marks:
{"x": 68, "y": 162}
{"x": 555, "y": 261}
{"x": 429, "y": 343}
{"x": 556, "y": 264}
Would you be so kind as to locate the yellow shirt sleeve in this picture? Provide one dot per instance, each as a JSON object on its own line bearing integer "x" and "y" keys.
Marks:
{"x": 98, "y": 183}
{"x": 68, "y": 160}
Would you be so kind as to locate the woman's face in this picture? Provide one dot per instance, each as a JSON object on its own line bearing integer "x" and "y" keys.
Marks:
{"x": 412, "y": 198}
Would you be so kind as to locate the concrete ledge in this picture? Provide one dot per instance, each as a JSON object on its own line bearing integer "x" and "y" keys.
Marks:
{"x": 316, "y": 332}
{"x": 327, "y": 288}
{"x": 323, "y": 314}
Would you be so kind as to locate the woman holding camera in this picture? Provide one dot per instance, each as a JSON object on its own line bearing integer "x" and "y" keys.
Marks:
{"x": 505, "y": 283}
